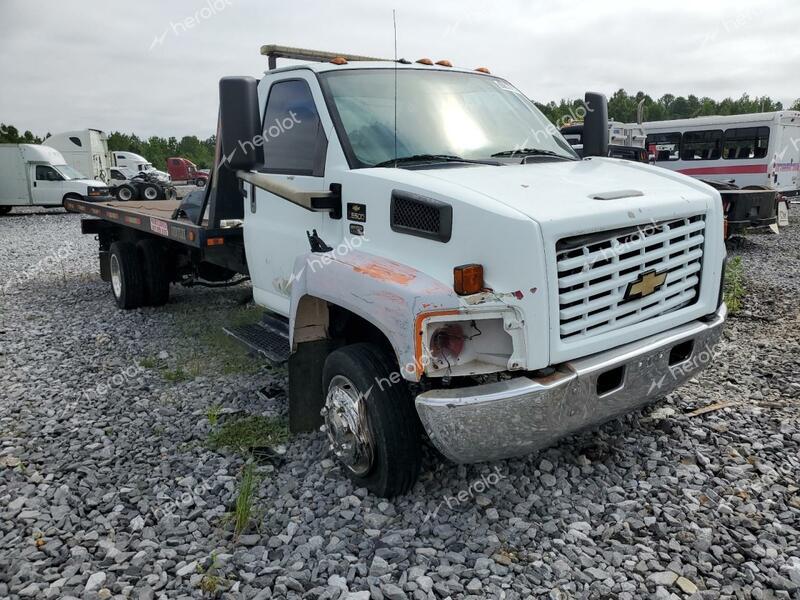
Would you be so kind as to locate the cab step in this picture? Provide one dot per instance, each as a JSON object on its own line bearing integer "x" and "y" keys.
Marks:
{"x": 269, "y": 338}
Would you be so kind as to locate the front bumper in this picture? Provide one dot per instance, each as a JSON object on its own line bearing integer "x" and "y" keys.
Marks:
{"x": 516, "y": 416}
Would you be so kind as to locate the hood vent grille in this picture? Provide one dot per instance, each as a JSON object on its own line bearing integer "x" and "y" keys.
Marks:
{"x": 417, "y": 215}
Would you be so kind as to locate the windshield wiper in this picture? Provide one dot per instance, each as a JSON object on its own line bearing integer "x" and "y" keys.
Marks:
{"x": 431, "y": 158}
{"x": 529, "y": 152}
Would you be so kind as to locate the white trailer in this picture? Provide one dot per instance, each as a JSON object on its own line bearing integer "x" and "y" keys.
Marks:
{"x": 86, "y": 151}
{"x": 33, "y": 175}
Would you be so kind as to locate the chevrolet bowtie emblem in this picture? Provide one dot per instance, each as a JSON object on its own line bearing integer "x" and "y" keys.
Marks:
{"x": 647, "y": 283}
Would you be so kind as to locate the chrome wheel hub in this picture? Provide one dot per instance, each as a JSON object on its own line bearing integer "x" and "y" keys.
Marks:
{"x": 116, "y": 276}
{"x": 346, "y": 425}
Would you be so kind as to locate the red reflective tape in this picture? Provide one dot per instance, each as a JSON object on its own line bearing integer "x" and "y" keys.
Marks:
{"x": 732, "y": 170}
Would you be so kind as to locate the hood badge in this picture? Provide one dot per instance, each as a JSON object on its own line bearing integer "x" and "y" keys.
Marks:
{"x": 647, "y": 283}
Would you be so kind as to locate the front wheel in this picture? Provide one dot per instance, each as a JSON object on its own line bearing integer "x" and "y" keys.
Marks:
{"x": 200, "y": 183}
{"x": 372, "y": 426}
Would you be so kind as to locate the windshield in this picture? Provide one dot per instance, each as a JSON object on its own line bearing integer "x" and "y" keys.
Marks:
{"x": 69, "y": 173}
{"x": 438, "y": 113}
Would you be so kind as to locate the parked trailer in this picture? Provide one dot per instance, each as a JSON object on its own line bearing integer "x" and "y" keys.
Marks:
{"x": 525, "y": 297}
{"x": 86, "y": 151}
{"x": 34, "y": 175}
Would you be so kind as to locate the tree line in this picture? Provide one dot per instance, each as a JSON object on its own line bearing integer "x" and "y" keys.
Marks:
{"x": 621, "y": 107}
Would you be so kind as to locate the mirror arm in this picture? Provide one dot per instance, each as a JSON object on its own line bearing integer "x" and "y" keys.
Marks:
{"x": 330, "y": 200}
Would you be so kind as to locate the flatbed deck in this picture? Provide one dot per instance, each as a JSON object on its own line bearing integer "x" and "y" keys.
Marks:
{"x": 156, "y": 217}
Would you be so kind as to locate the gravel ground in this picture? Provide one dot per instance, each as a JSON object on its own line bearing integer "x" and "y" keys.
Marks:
{"x": 108, "y": 487}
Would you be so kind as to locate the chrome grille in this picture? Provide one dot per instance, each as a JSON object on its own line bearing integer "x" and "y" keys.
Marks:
{"x": 595, "y": 273}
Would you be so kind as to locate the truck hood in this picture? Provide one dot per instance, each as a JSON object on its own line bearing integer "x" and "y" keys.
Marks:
{"x": 89, "y": 182}
{"x": 549, "y": 191}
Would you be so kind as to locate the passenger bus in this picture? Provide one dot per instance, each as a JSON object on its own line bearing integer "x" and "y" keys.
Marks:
{"x": 761, "y": 149}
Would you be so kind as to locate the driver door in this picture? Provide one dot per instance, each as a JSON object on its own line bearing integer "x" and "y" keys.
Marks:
{"x": 48, "y": 185}
{"x": 295, "y": 148}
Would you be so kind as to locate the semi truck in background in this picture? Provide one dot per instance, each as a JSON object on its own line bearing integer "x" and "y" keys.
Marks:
{"x": 38, "y": 175}
{"x": 184, "y": 171}
{"x": 440, "y": 281}
{"x": 86, "y": 151}
{"x": 137, "y": 164}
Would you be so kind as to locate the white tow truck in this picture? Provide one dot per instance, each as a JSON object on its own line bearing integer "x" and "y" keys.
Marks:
{"x": 434, "y": 259}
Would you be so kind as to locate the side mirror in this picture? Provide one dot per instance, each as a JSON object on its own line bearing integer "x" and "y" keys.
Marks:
{"x": 241, "y": 144}
{"x": 595, "y": 125}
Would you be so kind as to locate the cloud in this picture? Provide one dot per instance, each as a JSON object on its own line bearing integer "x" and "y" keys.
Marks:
{"x": 138, "y": 67}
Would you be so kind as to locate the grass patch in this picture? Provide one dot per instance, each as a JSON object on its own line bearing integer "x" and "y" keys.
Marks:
{"x": 213, "y": 414}
{"x": 212, "y": 350}
{"x": 243, "y": 510}
{"x": 735, "y": 290}
{"x": 211, "y": 580}
{"x": 249, "y": 434}
{"x": 148, "y": 362}
{"x": 179, "y": 374}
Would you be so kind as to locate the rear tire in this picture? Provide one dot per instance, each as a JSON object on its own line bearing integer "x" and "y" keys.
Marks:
{"x": 125, "y": 193}
{"x": 387, "y": 440}
{"x": 150, "y": 192}
{"x": 126, "y": 275}
{"x": 155, "y": 272}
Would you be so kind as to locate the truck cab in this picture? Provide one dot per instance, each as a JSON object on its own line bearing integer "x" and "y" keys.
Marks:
{"x": 487, "y": 260}
{"x": 185, "y": 171}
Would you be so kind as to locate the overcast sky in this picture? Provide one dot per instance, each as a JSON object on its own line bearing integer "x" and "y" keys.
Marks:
{"x": 152, "y": 67}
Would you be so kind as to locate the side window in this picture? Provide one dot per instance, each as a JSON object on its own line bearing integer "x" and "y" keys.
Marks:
{"x": 76, "y": 141}
{"x": 116, "y": 174}
{"x": 746, "y": 142}
{"x": 45, "y": 173}
{"x": 294, "y": 142}
{"x": 664, "y": 146}
{"x": 702, "y": 145}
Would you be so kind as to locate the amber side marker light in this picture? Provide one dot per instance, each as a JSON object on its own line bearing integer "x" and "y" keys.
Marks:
{"x": 217, "y": 241}
{"x": 483, "y": 70}
{"x": 339, "y": 60}
{"x": 444, "y": 63}
{"x": 425, "y": 61}
{"x": 468, "y": 279}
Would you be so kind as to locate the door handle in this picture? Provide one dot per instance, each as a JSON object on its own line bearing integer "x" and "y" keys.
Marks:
{"x": 34, "y": 184}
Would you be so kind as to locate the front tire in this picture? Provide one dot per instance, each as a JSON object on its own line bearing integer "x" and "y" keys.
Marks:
{"x": 70, "y": 197}
{"x": 4, "y": 210}
{"x": 371, "y": 422}
{"x": 200, "y": 183}
{"x": 126, "y": 275}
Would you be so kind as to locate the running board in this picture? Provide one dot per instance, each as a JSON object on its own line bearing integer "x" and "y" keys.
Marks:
{"x": 269, "y": 338}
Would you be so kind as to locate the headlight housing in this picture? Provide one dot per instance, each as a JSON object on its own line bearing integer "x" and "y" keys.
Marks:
{"x": 471, "y": 343}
